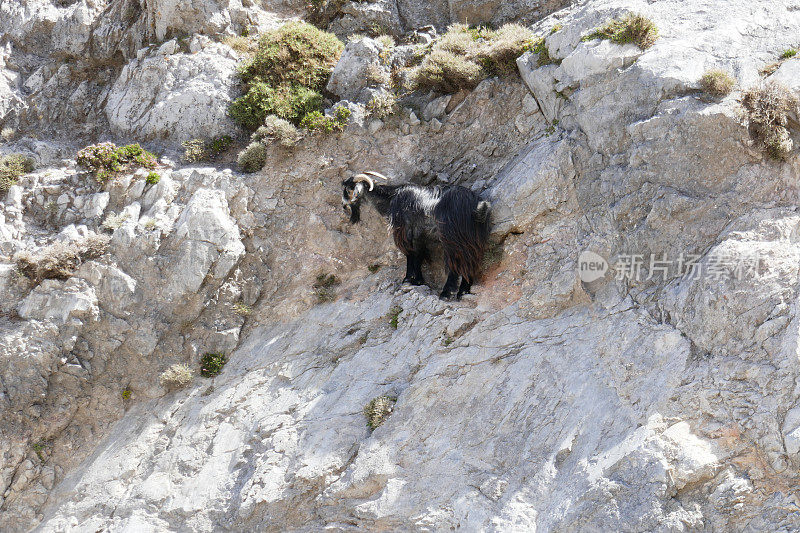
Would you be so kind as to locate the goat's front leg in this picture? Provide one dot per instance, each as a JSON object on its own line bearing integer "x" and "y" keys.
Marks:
{"x": 449, "y": 286}
{"x": 465, "y": 287}
{"x": 413, "y": 270}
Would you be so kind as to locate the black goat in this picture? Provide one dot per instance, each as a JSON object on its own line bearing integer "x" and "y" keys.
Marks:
{"x": 454, "y": 215}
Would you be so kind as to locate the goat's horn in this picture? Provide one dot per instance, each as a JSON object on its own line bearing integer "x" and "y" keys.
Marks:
{"x": 363, "y": 177}
{"x": 381, "y": 176}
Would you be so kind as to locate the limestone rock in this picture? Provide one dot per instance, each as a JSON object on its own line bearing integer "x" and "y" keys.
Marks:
{"x": 178, "y": 96}
{"x": 360, "y": 61}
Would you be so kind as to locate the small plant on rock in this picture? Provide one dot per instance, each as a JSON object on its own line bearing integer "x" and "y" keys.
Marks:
{"x": 252, "y": 158}
{"x": 11, "y": 168}
{"x": 631, "y": 28}
{"x": 126, "y": 394}
{"x": 789, "y": 53}
{"x": 113, "y": 221}
{"x": 382, "y": 105}
{"x": 282, "y": 131}
{"x": 316, "y": 121}
{"x": 767, "y": 107}
{"x": 717, "y": 82}
{"x": 106, "y": 159}
{"x": 152, "y": 178}
{"x": 394, "y": 316}
{"x": 242, "y": 309}
{"x": 378, "y": 410}
{"x": 324, "y": 287}
{"x": 194, "y": 150}
{"x": 200, "y": 150}
{"x": 176, "y": 377}
{"x": 211, "y": 364}
{"x": 543, "y": 54}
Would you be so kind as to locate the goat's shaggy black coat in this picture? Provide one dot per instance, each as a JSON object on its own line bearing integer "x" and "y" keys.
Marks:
{"x": 454, "y": 215}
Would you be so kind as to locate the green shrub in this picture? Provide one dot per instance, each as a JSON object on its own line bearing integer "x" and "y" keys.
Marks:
{"x": 286, "y": 74}
{"x": 211, "y": 364}
{"x": 282, "y": 131}
{"x": 382, "y": 105}
{"x": 316, "y": 121}
{"x": 767, "y": 108}
{"x": 294, "y": 54}
{"x": 11, "y": 168}
{"x": 324, "y": 287}
{"x": 126, "y": 394}
{"x": 152, "y": 178}
{"x": 106, "y": 159}
{"x": 788, "y": 54}
{"x": 290, "y": 102}
{"x": 394, "y": 316}
{"x": 378, "y": 410}
{"x": 717, "y": 82}
{"x": 631, "y": 28}
{"x": 60, "y": 260}
{"x": 175, "y": 377}
{"x": 446, "y": 72}
{"x": 252, "y": 158}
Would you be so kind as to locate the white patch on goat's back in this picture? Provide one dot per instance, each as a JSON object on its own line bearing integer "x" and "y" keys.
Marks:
{"x": 427, "y": 199}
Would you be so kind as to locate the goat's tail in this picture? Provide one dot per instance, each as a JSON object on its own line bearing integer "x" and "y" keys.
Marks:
{"x": 482, "y": 212}
{"x": 463, "y": 222}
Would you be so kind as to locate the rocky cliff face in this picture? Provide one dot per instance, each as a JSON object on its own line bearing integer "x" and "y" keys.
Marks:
{"x": 660, "y": 396}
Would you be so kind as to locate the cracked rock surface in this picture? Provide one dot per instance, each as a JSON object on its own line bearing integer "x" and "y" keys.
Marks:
{"x": 653, "y": 402}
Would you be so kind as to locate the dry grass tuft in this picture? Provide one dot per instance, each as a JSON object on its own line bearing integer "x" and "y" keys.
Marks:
{"x": 176, "y": 377}
{"x": 60, "y": 260}
{"x": 767, "y": 108}
{"x": 717, "y": 82}
{"x": 631, "y": 28}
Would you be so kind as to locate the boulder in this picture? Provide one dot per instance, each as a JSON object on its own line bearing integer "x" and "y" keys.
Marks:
{"x": 175, "y": 96}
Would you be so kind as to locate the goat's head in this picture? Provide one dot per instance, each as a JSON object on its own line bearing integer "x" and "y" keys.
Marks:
{"x": 353, "y": 191}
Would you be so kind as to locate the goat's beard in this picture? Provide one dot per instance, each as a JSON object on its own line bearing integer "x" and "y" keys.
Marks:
{"x": 355, "y": 213}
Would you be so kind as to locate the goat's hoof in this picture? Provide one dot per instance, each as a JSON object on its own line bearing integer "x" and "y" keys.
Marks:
{"x": 413, "y": 281}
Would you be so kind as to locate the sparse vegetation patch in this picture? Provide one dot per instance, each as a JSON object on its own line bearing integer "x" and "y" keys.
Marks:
{"x": 378, "y": 410}
{"x": 277, "y": 129}
{"x": 11, "y": 168}
{"x": 789, "y": 53}
{"x": 106, "y": 159}
{"x": 325, "y": 287}
{"x": 631, "y": 28}
{"x": 176, "y": 377}
{"x": 60, "y": 260}
{"x": 316, "y": 121}
{"x": 394, "y": 316}
{"x": 205, "y": 150}
{"x": 464, "y": 56}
